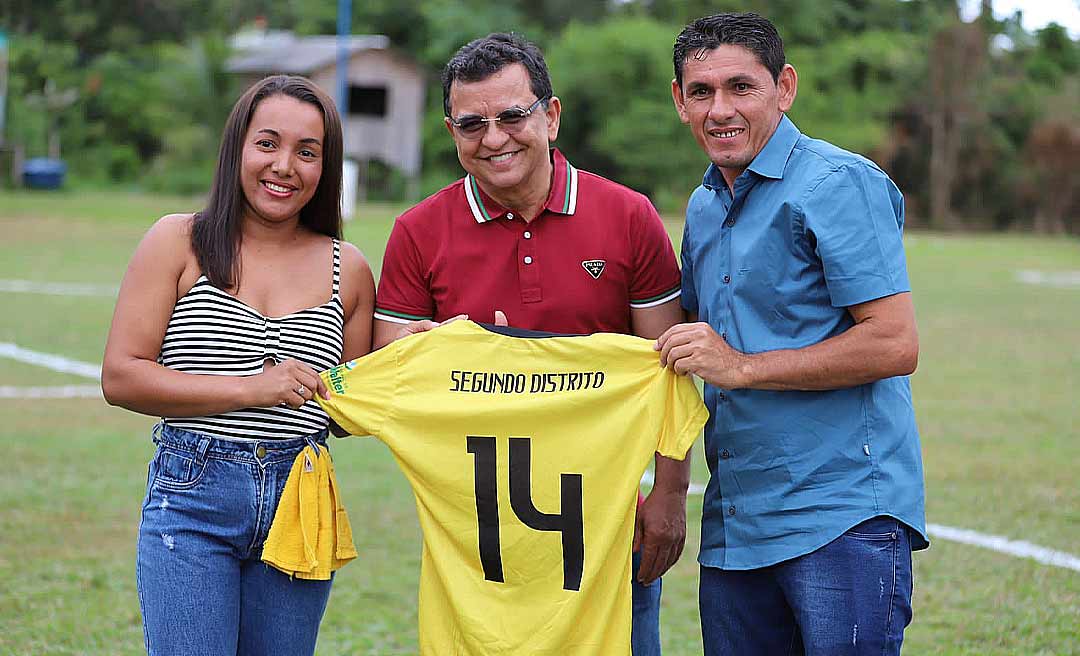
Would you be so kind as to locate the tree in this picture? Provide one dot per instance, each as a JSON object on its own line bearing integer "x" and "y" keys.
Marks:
{"x": 1053, "y": 152}
{"x": 958, "y": 61}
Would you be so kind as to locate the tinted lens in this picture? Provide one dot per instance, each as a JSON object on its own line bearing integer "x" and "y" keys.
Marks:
{"x": 471, "y": 125}
{"x": 512, "y": 116}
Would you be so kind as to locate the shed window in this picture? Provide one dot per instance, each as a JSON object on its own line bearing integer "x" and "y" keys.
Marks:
{"x": 367, "y": 101}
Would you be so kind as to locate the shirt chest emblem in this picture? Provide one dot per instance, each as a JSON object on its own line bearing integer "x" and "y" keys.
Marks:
{"x": 594, "y": 267}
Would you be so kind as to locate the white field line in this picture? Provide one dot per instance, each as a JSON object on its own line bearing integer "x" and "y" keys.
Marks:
{"x": 58, "y": 288}
{"x": 1018, "y": 548}
{"x": 49, "y": 361}
{"x": 54, "y": 392}
{"x": 1059, "y": 279}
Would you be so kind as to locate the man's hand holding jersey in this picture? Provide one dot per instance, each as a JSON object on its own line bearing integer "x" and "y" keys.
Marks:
{"x": 414, "y": 327}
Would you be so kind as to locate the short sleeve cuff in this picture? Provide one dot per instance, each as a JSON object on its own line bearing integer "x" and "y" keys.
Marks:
{"x": 656, "y": 299}
{"x": 845, "y": 293}
{"x": 396, "y": 316}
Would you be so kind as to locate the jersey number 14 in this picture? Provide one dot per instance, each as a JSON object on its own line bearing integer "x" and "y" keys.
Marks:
{"x": 568, "y": 522}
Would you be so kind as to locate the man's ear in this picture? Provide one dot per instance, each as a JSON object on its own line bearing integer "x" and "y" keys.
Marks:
{"x": 677, "y": 98}
{"x": 787, "y": 85}
{"x": 553, "y": 114}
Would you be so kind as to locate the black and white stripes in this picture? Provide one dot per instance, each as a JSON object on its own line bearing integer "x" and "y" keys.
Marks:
{"x": 214, "y": 333}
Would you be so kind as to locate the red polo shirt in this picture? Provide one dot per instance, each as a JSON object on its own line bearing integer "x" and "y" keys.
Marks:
{"x": 596, "y": 250}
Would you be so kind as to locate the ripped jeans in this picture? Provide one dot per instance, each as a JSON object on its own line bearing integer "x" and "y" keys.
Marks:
{"x": 851, "y": 597}
{"x": 202, "y": 586}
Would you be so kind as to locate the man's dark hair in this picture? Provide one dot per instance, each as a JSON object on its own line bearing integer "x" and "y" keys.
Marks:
{"x": 481, "y": 58}
{"x": 748, "y": 30}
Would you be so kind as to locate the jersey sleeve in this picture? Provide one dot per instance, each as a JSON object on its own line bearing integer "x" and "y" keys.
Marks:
{"x": 855, "y": 219}
{"x": 363, "y": 391}
{"x": 684, "y": 414}
{"x": 403, "y": 294}
{"x": 655, "y": 278}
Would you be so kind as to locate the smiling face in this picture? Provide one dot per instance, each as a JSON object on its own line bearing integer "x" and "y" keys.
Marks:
{"x": 507, "y": 166}
{"x": 732, "y": 104}
{"x": 281, "y": 163}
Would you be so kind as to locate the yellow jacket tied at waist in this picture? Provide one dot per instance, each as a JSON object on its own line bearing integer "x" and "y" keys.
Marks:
{"x": 310, "y": 536}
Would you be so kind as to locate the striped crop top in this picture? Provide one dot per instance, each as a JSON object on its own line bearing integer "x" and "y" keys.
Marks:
{"x": 212, "y": 332}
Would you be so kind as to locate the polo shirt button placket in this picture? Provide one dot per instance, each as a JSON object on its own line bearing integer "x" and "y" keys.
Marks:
{"x": 528, "y": 267}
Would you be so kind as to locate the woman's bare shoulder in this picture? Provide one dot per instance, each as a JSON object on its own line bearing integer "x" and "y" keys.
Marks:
{"x": 176, "y": 225}
{"x": 353, "y": 261}
{"x": 168, "y": 241}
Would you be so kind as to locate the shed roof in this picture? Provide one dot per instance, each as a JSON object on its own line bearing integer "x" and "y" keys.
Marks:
{"x": 287, "y": 53}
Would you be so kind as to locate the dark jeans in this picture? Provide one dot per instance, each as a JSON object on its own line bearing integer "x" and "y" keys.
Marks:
{"x": 850, "y": 597}
{"x": 645, "y": 628}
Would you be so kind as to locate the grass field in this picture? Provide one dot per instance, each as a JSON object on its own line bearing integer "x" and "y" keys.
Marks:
{"x": 997, "y": 395}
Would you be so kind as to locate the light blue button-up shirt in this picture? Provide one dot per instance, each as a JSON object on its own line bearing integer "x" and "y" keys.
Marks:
{"x": 810, "y": 230}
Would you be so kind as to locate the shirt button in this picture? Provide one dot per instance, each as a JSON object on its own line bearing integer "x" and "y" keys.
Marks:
{"x": 528, "y": 259}
{"x": 724, "y": 336}
{"x": 720, "y": 395}
{"x": 725, "y": 454}
{"x": 727, "y": 279}
{"x": 729, "y": 222}
{"x": 510, "y": 216}
{"x": 528, "y": 235}
{"x": 260, "y": 452}
{"x": 731, "y": 510}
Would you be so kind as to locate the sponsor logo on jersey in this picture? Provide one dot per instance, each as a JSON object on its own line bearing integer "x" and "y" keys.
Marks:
{"x": 336, "y": 377}
{"x": 594, "y": 267}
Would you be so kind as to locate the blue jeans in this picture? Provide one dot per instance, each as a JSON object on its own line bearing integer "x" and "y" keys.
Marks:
{"x": 202, "y": 588}
{"x": 849, "y": 598}
{"x": 645, "y": 627}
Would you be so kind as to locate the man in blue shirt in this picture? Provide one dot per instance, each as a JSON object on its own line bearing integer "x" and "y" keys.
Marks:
{"x": 804, "y": 332}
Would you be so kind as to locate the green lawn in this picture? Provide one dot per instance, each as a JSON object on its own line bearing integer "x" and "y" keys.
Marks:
{"x": 996, "y": 395}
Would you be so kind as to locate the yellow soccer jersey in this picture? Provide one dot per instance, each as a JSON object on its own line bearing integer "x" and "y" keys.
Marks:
{"x": 524, "y": 454}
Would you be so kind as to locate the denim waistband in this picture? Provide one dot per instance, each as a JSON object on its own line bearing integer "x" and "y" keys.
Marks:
{"x": 264, "y": 451}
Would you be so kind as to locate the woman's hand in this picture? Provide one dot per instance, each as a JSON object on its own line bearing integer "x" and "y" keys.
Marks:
{"x": 289, "y": 382}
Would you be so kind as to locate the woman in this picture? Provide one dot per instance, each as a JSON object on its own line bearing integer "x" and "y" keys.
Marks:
{"x": 222, "y": 321}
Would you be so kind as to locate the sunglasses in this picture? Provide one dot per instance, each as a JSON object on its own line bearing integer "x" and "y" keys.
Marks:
{"x": 511, "y": 120}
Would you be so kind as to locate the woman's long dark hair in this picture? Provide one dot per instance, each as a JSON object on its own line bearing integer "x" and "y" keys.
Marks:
{"x": 215, "y": 233}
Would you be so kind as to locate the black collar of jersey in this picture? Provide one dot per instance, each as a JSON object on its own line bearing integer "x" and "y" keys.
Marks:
{"x": 510, "y": 331}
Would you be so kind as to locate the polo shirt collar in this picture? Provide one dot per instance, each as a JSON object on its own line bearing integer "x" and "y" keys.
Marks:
{"x": 562, "y": 198}
{"x": 770, "y": 162}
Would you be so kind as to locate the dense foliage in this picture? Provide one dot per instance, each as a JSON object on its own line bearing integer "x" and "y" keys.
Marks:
{"x": 976, "y": 121}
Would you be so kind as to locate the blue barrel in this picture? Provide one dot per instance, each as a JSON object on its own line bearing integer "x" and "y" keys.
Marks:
{"x": 44, "y": 173}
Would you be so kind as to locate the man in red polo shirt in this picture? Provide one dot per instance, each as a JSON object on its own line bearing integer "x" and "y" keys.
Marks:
{"x": 555, "y": 248}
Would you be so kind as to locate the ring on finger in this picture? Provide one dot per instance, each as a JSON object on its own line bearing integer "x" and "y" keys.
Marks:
{"x": 301, "y": 390}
